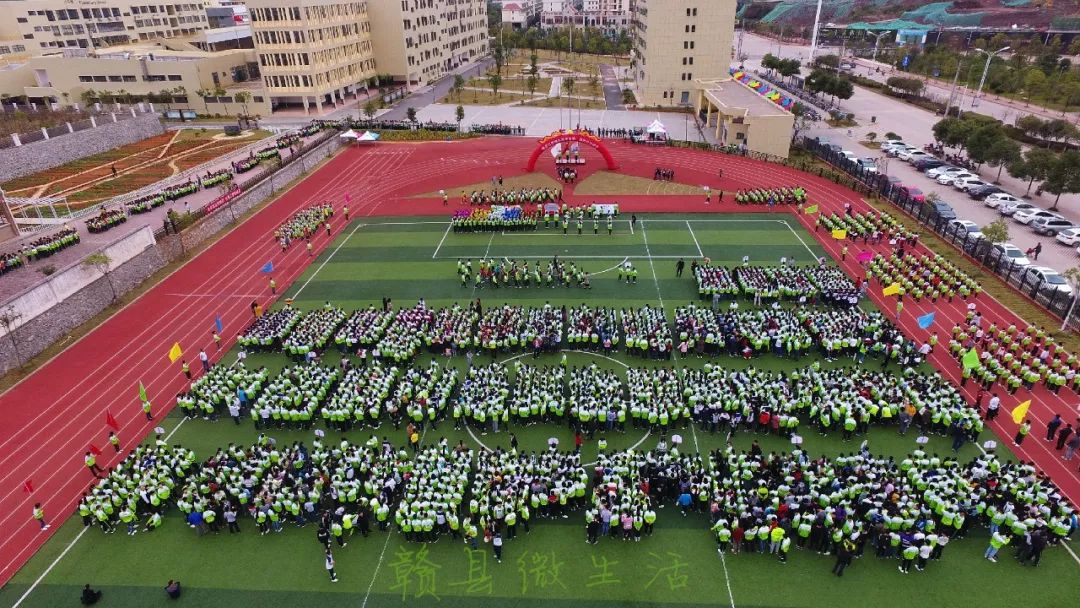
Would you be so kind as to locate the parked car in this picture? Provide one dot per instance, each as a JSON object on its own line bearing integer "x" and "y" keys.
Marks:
{"x": 999, "y": 199}
{"x": 964, "y": 184}
{"x": 959, "y": 227}
{"x": 1012, "y": 208}
{"x": 1026, "y": 216}
{"x": 1048, "y": 279}
{"x": 935, "y": 172}
{"x": 867, "y": 164}
{"x": 913, "y": 193}
{"x": 926, "y": 164}
{"x": 980, "y": 193}
{"x": 943, "y": 210}
{"x": 905, "y": 153}
{"x": 900, "y": 149}
{"x": 1014, "y": 253}
{"x": 915, "y": 156}
{"x": 1050, "y": 226}
{"x": 892, "y": 142}
{"x": 1069, "y": 236}
{"x": 950, "y": 177}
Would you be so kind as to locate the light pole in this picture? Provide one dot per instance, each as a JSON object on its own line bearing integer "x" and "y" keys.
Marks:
{"x": 877, "y": 40}
{"x": 813, "y": 35}
{"x": 986, "y": 68}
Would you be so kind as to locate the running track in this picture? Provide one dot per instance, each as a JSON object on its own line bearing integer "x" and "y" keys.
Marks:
{"x": 50, "y": 424}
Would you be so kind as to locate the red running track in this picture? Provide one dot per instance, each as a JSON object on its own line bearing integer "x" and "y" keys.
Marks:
{"x": 50, "y": 424}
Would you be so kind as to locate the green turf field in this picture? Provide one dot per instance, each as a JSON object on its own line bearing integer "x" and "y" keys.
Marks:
{"x": 407, "y": 259}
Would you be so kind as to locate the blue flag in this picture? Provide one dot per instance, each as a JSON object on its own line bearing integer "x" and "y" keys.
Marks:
{"x": 269, "y": 267}
{"x": 926, "y": 320}
{"x": 218, "y": 324}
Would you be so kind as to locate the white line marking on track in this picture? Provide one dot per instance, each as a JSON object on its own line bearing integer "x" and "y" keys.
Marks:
{"x": 51, "y": 566}
{"x": 652, "y": 266}
{"x": 811, "y": 251}
{"x": 1067, "y": 548}
{"x": 696, "y": 244}
{"x": 327, "y": 260}
{"x": 727, "y": 580}
{"x": 449, "y": 225}
{"x": 375, "y": 574}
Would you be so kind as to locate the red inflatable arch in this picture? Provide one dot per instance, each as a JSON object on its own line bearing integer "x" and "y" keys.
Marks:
{"x": 563, "y": 137}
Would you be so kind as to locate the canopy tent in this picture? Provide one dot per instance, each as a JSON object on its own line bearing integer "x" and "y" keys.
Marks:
{"x": 350, "y": 134}
{"x": 368, "y": 136}
{"x": 656, "y": 128}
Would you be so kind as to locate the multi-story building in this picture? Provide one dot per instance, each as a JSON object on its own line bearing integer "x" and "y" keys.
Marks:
{"x": 420, "y": 41}
{"x": 47, "y": 25}
{"x": 313, "y": 54}
{"x": 609, "y": 15}
{"x": 676, "y": 42}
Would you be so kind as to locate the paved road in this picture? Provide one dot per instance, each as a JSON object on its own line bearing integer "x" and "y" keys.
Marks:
{"x": 425, "y": 96}
{"x": 915, "y": 125}
{"x": 612, "y": 90}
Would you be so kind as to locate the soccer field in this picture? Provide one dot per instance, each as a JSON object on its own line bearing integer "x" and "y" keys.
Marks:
{"x": 406, "y": 259}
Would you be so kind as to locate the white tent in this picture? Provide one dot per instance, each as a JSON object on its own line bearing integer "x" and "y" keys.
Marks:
{"x": 350, "y": 134}
{"x": 656, "y": 128}
{"x": 368, "y": 136}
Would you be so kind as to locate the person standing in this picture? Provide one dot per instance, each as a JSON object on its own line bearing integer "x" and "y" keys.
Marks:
{"x": 89, "y": 596}
{"x": 992, "y": 407}
{"x": 497, "y": 544}
{"x": 234, "y": 410}
{"x": 1022, "y": 432}
{"x": 679, "y": 266}
{"x": 39, "y": 516}
{"x": 273, "y": 286}
{"x": 1063, "y": 436}
{"x": 114, "y": 441}
{"x": 1071, "y": 446}
{"x": 1052, "y": 427}
{"x": 330, "y": 566}
{"x": 185, "y": 368}
{"x": 1037, "y": 250}
{"x": 91, "y": 463}
{"x": 146, "y": 410}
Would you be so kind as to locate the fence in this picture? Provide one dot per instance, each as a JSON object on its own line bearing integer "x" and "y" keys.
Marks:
{"x": 117, "y": 114}
{"x": 1055, "y": 301}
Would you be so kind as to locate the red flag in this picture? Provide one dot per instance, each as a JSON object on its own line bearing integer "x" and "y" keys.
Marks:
{"x": 28, "y": 486}
{"x": 109, "y": 420}
{"x": 96, "y": 451}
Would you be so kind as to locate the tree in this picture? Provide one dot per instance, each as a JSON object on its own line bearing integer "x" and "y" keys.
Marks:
{"x": 1063, "y": 176}
{"x": 203, "y": 94}
{"x": 1034, "y": 80}
{"x": 89, "y": 97}
{"x": 982, "y": 140}
{"x": 1033, "y": 166}
{"x": 1074, "y": 46}
{"x": 1002, "y": 152}
{"x": 220, "y": 94}
{"x": 533, "y": 58}
{"x": 410, "y": 114}
{"x": 770, "y": 62}
{"x": 594, "y": 84}
{"x": 495, "y": 80}
{"x": 100, "y": 262}
{"x": 871, "y": 136}
{"x": 499, "y": 55}
{"x": 789, "y": 67}
{"x": 842, "y": 89}
{"x": 530, "y": 83}
{"x": 243, "y": 97}
{"x": 1070, "y": 92}
{"x": 1030, "y": 124}
{"x": 892, "y": 135}
{"x": 996, "y": 231}
{"x": 458, "y": 86}
{"x": 568, "y": 85}
{"x": 459, "y": 114}
{"x": 369, "y": 109}
{"x": 827, "y": 61}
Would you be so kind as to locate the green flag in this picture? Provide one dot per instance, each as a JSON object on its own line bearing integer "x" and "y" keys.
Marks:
{"x": 971, "y": 359}
{"x": 142, "y": 392}
{"x": 811, "y": 210}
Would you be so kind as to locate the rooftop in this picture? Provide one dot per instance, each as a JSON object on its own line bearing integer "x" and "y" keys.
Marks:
{"x": 728, "y": 93}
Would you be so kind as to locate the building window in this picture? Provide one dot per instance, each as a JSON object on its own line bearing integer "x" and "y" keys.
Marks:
{"x": 691, "y": 61}
{"x": 687, "y": 12}
{"x": 695, "y": 12}
{"x": 693, "y": 28}
{"x": 129, "y": 79}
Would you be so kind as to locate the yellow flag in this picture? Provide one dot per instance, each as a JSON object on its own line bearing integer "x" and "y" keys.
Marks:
{"x": 839, "y": 234}
{"x": 1021, "y": 411}
{"x": 175, "y": 352}
{"x": 812, "y": 209}
{"x": 891, "y": 290}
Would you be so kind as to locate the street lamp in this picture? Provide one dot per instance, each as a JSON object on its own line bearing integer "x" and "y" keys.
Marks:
{"x": 986, "y": 68}
{"x": 877, "y": 40}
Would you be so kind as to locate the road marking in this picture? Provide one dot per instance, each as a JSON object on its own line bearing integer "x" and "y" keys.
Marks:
{"x": 696, "y": 244}
{"x": 448, "y": 227}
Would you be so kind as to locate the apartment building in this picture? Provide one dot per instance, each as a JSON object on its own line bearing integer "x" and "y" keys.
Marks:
{"x": 610, "y": 15}
{"x": 48, "y": 25}
{"x": 677, "y": 42}
{"x": 420, "y": 41}
{"x": 313, "y": 54}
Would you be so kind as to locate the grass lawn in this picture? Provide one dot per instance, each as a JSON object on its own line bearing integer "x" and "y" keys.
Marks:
{"x": 484, "y": 97}
{"x": 409, "y": 258}
{"x": 610, "y": 183}
{"x": 511, "y": 84}
{"x": 577, "y": 62}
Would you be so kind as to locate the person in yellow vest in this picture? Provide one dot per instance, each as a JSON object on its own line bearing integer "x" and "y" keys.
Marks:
{"x": 273, "y": 283}
{"x": 146, "y": 410}
{"x": 1022, "y": 432}
{"x": 91, "y": 463}
{"x": 185, "y": 368}
{"x": 39, "y": 515}
{"x": 114, "y": 441}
